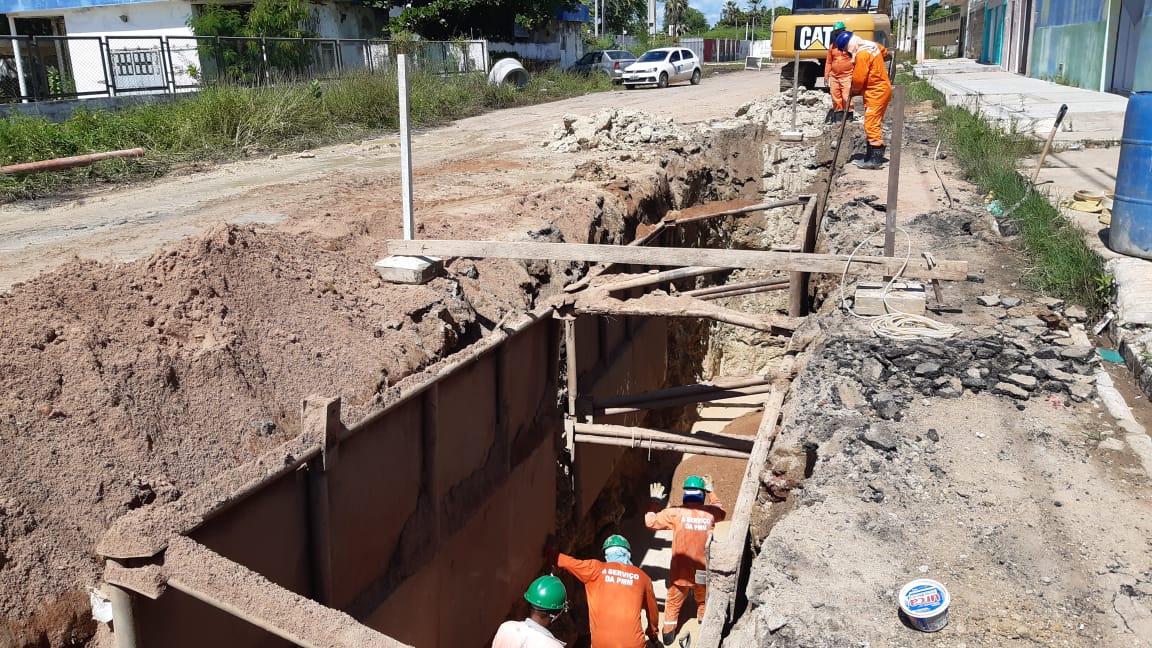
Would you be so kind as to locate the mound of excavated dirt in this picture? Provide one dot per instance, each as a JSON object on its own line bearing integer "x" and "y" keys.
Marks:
{"x": 812, "y": 108}
{"x": 614, "y": 129}
{"x": 123, "y": 385}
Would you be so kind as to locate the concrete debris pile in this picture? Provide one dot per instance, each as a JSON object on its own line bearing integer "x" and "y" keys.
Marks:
{"x": 892, "y": 375}
{"x": 928, "y": 488}
{"x": 614, "y": 129}
{"x": 776, "y": 111}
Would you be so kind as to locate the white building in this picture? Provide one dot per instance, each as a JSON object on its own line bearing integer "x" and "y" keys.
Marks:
{"x": 131, "y": 45}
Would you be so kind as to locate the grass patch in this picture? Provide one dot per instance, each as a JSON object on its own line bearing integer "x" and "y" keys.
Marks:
{"x": 230, "y": 122}
{"x": 1063, "y": 264}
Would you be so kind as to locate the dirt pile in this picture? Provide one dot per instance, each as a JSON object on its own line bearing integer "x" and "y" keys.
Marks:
{"x": 980, "y": 492}
{"x": 811, "y": 111}
{"x": 121, "y": 386}
{"x": 615, "y": 129}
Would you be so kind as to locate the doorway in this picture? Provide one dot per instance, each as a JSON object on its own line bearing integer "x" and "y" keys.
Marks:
{"x": 1127, "y": 41}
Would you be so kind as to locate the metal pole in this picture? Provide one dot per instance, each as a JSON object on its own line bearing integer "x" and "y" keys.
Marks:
{"x": 795, "y": 87}
{"x": 894, "y": 170}
{"x": 405, "y": 149}
{"x": 644, "y": 444}
{"x": 920, "y": 31}
{"x": 123, "y": 620}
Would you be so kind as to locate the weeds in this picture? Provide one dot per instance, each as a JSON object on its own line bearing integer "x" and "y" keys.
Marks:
{"x": 1064, "y": 264}
{"x": 230, "y": 122}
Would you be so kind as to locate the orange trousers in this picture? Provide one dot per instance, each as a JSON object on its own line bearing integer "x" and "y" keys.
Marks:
{"x": 875, "y": 105}
{"x": 839, "y": 87}
{"x": 677, "y": 594}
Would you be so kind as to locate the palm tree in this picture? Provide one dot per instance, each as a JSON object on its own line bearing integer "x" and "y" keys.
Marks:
{"x": 754, "y": 8}
{"x": 730, "y": 14}
{"x": 673, "y": 13}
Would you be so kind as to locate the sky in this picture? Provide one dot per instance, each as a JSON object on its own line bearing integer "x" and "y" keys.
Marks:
{"x": 712, "y": 8}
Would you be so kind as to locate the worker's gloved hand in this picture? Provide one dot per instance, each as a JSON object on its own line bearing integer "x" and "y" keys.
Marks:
{"x": 708, "y": 483}
{"x": 656, "y": 491}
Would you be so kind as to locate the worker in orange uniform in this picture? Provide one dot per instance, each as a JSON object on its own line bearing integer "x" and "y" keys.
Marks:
{"x": 548, "y": 599}
{"x": 838, "y": 76}
{"x": 870, "y": 79}
{"x": 617, "y": 593}
{"x": 691, "y": 524}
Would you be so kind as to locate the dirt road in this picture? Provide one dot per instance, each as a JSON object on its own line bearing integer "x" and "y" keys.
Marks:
{"x": 468, "y": 162}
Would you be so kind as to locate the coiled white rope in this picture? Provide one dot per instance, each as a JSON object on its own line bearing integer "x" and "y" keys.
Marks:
{"x": 896, "y": 325}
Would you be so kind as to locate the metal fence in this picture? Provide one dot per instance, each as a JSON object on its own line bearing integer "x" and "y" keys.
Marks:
{"x": 49, "y": 68}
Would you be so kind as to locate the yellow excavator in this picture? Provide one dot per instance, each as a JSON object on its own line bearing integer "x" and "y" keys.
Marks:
{"x": 809, "y": 28}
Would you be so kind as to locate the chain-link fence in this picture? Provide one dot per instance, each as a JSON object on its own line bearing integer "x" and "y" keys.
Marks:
{"x": 47, "y": 68}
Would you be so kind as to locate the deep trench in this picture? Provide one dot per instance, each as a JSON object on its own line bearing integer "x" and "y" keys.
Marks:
{"x": 704, "y": 351}
{"x": 450, "y": 451}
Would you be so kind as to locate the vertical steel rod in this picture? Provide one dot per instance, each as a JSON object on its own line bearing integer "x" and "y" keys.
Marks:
{"x": 897, "y": 107}
{"x": 405, "y": 149}
{"x": 795, "y": 87}
{"x": 123, "y": 619}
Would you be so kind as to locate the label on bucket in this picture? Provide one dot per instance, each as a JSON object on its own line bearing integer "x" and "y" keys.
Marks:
{"x": 924, "y": 599}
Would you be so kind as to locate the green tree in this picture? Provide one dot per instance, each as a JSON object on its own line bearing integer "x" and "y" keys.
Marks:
{"x": 694, "y": 21}
{"x": 252, "y": 61}
{"x": 730, "y": 14}
{"x": 447, "y": 19}
{"x": 674, "y": 16}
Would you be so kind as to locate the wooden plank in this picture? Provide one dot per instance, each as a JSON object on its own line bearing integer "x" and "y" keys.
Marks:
{"x": 741, "y": 443}
{"x": 669, "y": 256}
{"x": 673, "y": 220}
{"x": 657, "y": 306}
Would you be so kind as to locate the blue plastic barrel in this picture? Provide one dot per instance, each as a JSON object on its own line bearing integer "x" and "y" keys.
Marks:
{"x": 1131, "y": 231}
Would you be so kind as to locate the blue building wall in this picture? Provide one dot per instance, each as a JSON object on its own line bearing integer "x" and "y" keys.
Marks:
{"x": 1144, "y": 58}
{"x": 1069, "y": 41}
{"x": 17, "y": 6}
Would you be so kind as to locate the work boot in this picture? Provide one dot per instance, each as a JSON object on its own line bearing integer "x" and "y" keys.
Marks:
{"x": 849, "y": 115}
{"x": 876, "y": 159}
{"x": 867, "y": 159}
{"x": 669, "y": 638}
{"x": 830, "y": 118}
{"x": 837, "y": 116}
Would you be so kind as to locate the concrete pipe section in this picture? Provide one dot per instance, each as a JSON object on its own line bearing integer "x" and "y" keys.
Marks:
{"x": 508, "y": 71}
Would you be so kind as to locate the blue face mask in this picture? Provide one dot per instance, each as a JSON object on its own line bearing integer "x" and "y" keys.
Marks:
{"x": 618, "y": 555}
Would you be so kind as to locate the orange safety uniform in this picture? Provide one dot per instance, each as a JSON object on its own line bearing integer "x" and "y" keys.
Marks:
{"x": 691, "y": 524}
{"x": 524, "y": 634}
{"x": 870, "y": 79}
{"x": 838, "y": 69}
{"x": 616, "y": 595}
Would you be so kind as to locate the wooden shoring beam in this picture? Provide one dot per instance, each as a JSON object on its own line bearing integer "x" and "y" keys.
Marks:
{"x": 661, "y": 445}
{"x": 750, "y": 290}
{"x": 660, "y": 277}
{"x": 917, "y": 268}
{"x": 710, "y": 439}
{"x": 788, "y": 202}
{"x": 652, "y": 234}
{"x": 723, "y": 288}
{"x": 727, "y": 553}
{"x": 703, "y": 397}
{"x": 661, "y": 306}
{"x": 683, "y": 390}
{"x": 806, "y": 239}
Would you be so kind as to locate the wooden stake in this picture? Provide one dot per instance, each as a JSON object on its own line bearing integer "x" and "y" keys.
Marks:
{"x": 670, "y": 256}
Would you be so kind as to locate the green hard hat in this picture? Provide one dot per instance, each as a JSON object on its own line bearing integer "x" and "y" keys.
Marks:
{"x": 616, "y": 541}
{"x": 694, "y": 481}
{"x": 547, "y": 593}
{"x": 839, "y": 25}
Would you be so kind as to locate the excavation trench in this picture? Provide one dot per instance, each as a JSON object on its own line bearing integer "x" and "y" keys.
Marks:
{"x": 422, "y": 523}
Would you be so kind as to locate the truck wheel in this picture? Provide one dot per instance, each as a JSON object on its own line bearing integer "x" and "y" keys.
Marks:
{"x": 663, "y": 81}
{"x": 695, "y": 77}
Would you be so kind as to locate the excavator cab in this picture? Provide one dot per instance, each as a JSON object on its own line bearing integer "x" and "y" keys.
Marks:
{"x": 808, "y": 31}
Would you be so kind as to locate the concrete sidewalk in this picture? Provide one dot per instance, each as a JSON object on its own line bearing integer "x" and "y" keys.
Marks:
{"x": 1086, "y": 156}
{"x": 1029, "y": 105}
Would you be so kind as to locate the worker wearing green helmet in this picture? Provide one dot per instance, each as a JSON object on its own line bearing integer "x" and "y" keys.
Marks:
{"x": 691, "y": 525}
{"x": 617, "y": 592}
{"x": 548, "y": 599}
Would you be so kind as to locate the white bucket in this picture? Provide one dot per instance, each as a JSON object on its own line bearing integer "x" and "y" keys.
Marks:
{"x": 925, "y": 603}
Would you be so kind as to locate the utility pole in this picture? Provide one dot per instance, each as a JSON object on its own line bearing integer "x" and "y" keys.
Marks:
{"x": 920, "y": 31}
